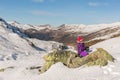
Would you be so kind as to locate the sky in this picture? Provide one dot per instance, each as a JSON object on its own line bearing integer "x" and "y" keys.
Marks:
{"x": 58, "y": 12}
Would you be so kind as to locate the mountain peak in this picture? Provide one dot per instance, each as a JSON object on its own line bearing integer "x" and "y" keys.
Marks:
{"x": 2, "y": 20}
{"x": 13, "y": 22}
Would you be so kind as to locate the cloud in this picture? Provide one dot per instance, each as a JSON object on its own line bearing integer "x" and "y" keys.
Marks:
{"x": 94, "y": 4}
{"x": 45, "y": 13}
{"x": 38, "y": 1}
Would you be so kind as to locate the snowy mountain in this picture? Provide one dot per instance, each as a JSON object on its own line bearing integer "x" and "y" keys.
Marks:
{"x": 69, "y": 27}
{"x": 67, "y": 34}
{"x": 29, "y": 26}
{"x": 14, "y": 44}
{"x": 87, "y": 28}
{"x": 19, "y": 53}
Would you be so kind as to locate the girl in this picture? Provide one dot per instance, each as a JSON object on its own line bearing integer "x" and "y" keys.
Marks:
{"x": 81, "y": 47}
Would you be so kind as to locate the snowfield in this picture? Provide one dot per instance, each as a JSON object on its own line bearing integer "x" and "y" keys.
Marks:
{"x": 19, "y": 54}
{"x": 109, "y": 72}
{"x": 88, "y": 28}
{"x": 58, "y": 71}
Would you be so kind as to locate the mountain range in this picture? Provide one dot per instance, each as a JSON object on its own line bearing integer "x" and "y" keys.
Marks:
{"x": 67, "y": 33}
{"x": 22, "y": 47}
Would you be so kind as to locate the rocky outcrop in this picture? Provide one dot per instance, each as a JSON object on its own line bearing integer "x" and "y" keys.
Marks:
{"x": 72, "y": 60}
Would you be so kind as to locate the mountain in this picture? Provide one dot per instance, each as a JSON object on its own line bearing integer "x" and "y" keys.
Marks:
{"x": 14, "y": 44}
{"x": 67, "y": 34}
{"x": 22, "y": 51}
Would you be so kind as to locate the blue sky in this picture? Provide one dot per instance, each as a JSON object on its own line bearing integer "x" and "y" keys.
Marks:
{"x": 57, "y": 12}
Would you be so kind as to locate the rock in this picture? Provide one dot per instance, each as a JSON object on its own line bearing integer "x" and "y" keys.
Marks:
{"x": 72, "y": 59}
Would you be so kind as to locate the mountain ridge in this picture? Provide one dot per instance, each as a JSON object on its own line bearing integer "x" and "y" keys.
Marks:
{"x": 67, "y": 33}
{"x": 14, "y": 44}
{"x": 21, "y": 57}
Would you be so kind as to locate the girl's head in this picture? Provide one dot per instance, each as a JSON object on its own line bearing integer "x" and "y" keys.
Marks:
{"x": 79, "y": 39}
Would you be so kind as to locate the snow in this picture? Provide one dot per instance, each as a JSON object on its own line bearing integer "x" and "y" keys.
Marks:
{"x": 68, "y": 27}
{"x": 98, "y": 27}
{"x": 61, "y": 72}
{"x": 88, "y": 28}
{"x": 107, "y": 36}
{"x": 13, "y": 46}
{"x": 109, "y": 72}
{"x": 17, "y": 56}
{"x": 64, "y": 73}
{"x": 28, "y": 26}
{"x": 111, "y": 45}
